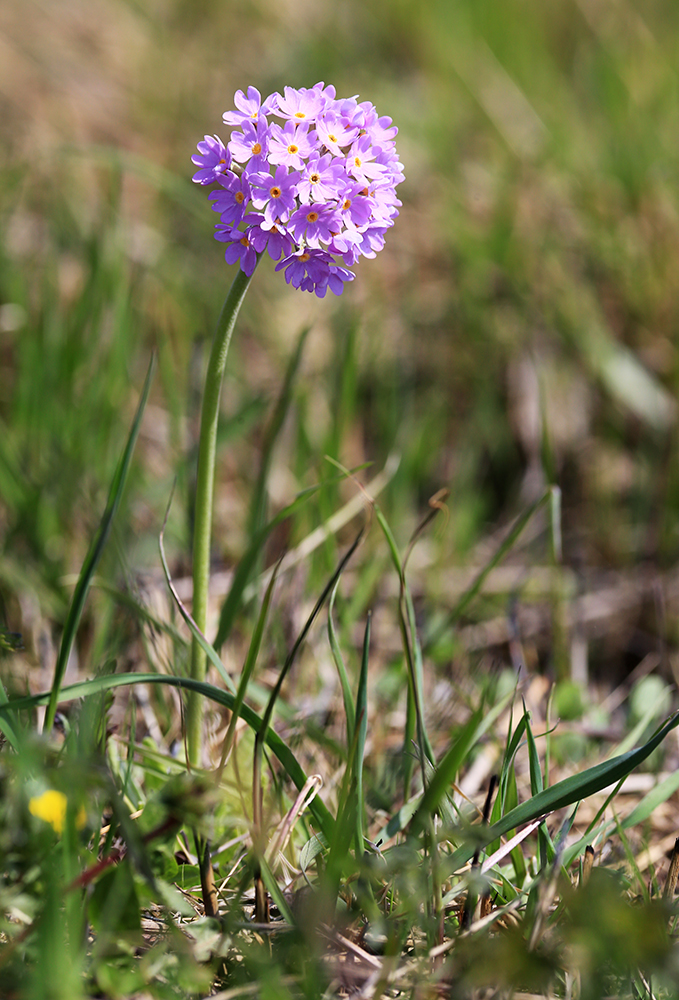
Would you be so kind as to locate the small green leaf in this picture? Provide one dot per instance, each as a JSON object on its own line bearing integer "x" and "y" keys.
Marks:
{"x": 113, "y": 905}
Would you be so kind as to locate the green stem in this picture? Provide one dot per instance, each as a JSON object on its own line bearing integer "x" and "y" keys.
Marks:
{"x": 205, "y": 482}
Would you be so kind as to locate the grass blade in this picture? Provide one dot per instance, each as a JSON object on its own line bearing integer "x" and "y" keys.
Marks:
{"x": 566, "y": 792}
{"x": 246, "y": 568}
{"x": 361, "y": 733}
{"x": 258, "y": 506}
{"x": 257, "y": 770}
{"x": 445, "y": 773}
{"x": 349, "y": 708}
{"x": 505, "y": 546}
{"x": 247, "y": 671}
{"x": 94, "y": 555}
{"x": 207, "y": 648}
{"x": 6, "y": 725}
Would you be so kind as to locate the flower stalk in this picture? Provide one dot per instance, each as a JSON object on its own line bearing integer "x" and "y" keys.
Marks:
{"x": 204, "y": 501}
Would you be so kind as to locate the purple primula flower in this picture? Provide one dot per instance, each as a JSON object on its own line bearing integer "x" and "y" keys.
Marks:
{"x": 231, "y": 200}
{"x": 304, "y": 105}
{"x": 314, "y": 224}
{"x": 321, "y": 179}
{"x": 273, "y": 238}
{"x": 372, "y": 240}
{"x": 385, "y": 204}
{"x": 307, "y": 269}
{"x": 249, "y": 107}
{"x": 361, "y": 161}
{"x": 333, "y": 132}
{"x": 240, "y": 247}
{"x": 213, "y": 158}
{"x": 252, "y": 144}
{"x": 290, "y": 145}
{"x": 354, "y": 206}
{"x": 322, "y": 184}
{"x": 380, "y": 130}
{"x": 314, "y": 271}
{"x": 276, "y": 195}
{"x": 338, "y": 278}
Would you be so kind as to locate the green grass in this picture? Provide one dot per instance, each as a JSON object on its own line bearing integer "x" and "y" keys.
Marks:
{"x": 515, "y": 345}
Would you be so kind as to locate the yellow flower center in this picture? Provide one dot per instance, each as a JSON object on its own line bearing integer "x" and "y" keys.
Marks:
{"x": 312, "y": 217}
{"x": 333, "y": 138}
{"x": 276, "y": 192}
{"x": 292, "y": 149}
{"x": 299, "y": 114}
{"x": 240, "y": 197}
{"x": 314, "y": 179}
{"x": 357, "y": 161}
{"x": 257, "y": 149}
{"x": 244, "y": 241}
{"x": 304, "y": 257}
{"x": 347, "y": 203}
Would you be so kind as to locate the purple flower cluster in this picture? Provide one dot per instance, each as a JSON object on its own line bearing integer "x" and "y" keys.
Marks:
{"x": 317, "y": 191}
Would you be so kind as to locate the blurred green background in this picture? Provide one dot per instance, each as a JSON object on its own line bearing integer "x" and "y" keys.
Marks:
{"x": 518, "y": 329}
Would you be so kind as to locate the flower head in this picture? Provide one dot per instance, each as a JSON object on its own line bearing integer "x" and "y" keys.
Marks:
{"x": 317, "y": 191}
{"x": 51, "y": 807}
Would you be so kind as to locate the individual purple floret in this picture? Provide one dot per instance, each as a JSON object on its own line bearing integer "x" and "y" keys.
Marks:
{"x": 304, "y": 105}
{"x": 251, "y": 145}
{"x": 276, "y": 195}
{"x": 231, "y": 199}
{"x": 274, "y": 239}
{"x": 213, "y": 158}
{"x": 239, "y": 247}
{"x": 249, "y": 107}
{"x": 314, "y": 224}
{"x": 291, "y": 145}
{"x": 316, "y": 188}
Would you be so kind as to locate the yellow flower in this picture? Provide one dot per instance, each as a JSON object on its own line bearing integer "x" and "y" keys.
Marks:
{"x": 51, "y": 806}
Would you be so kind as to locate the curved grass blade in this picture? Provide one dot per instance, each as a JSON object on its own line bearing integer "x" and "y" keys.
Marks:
{"x": 277, "y": 746}
{"x": 6, "y": 725}
{"x": 444, "y": 774}
{"x": 259, "y": 505}
{"x": 361, "y": 733}
{"x": 266, "y": 719}
{"x": 209, "y": 650}
{"x": 639, "y": 814}
{"x": 94, "y": 555}
{"x": 413, "y": 654}
{"x": 349, "y": 709}
{"x": 505, "y": 546}
{"x": 247, "y": 671}
{"x": 247, "y": 565}
{"x": 411, "y": 647}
